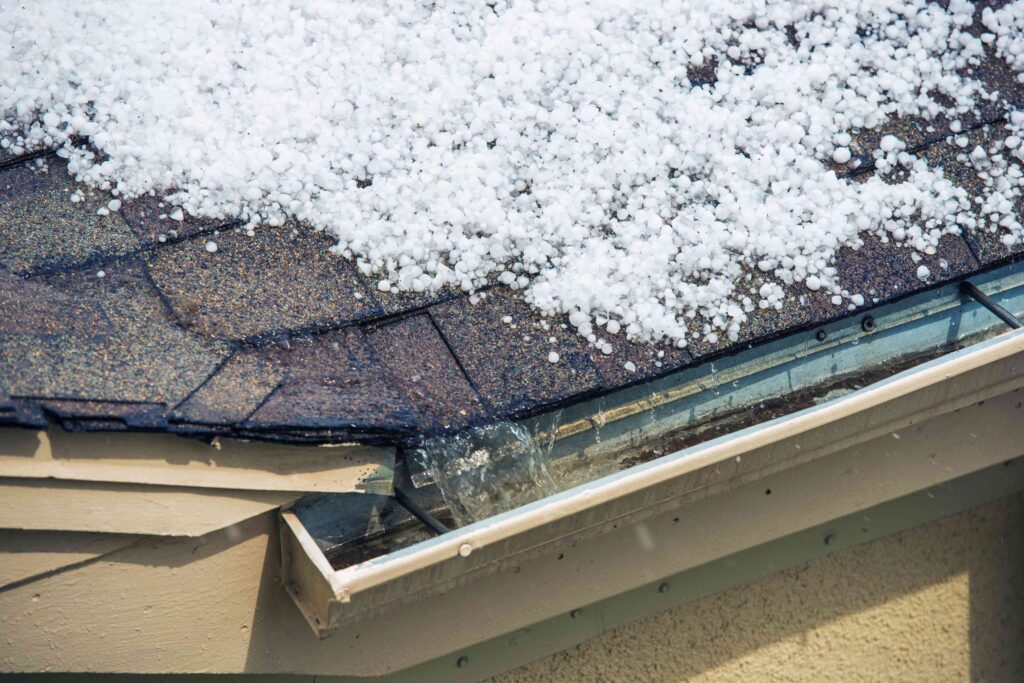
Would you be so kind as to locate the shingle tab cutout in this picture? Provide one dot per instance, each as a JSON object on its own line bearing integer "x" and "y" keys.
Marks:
{"x": 508, "y": 361}
{"x": 418, "y": 360}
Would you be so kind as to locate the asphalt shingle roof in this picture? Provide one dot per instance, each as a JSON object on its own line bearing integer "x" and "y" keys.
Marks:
{"x": 274, "y": 337}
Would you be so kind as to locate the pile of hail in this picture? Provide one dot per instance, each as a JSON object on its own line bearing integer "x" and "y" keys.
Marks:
{"x": 628, "y": 163}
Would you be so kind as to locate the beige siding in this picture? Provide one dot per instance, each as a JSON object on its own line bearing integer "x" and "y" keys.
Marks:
{"x": 49, "y": 505}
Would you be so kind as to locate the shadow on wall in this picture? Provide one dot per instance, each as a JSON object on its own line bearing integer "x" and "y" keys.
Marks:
{"x": 944, "y": 601}
{"x": 997, "y": 592}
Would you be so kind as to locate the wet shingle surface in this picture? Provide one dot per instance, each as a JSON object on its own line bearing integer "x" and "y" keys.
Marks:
{"x": 333, "y": 383}
{"x": 101, "y": 339}
{"x": 42, "y": 229}
{"x": 30, "y": 308}
{"x": 504, "y": 347}
{"x": 233, "y": 392}
{"x": 881, "y": 271}
{"x": 885, "y": 271}
{"x": 633, "y": 363}
{"x": 272, "y": 336}
{"x": 418, "y": 360}
{"x": 277, "y": 281}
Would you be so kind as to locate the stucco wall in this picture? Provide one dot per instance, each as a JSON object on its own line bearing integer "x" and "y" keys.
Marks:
{"x": 941, "y": 602}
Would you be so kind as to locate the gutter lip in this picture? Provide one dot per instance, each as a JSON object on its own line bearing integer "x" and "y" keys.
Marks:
{"x": 501, "y": 527}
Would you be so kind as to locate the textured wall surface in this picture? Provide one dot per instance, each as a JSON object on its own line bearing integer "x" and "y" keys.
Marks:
{"x": 941, "y": 602}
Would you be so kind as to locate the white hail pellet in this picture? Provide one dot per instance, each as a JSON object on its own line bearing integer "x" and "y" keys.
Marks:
{"x": 889, "y": 143}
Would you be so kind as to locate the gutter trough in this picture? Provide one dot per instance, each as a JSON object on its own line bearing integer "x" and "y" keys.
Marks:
{"x": 667, "y": 476}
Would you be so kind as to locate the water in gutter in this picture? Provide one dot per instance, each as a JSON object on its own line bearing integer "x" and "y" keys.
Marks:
{"x": 486, "y": 471}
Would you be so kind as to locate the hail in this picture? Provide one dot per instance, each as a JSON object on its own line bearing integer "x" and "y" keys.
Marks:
{"x": 626, "y": 162}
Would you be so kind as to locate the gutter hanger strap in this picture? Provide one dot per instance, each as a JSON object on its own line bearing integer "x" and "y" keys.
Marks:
{"x": 970, "y": 290}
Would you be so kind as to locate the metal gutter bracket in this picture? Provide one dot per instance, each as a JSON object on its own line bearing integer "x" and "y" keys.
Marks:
{"x": 968, "y": 288}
